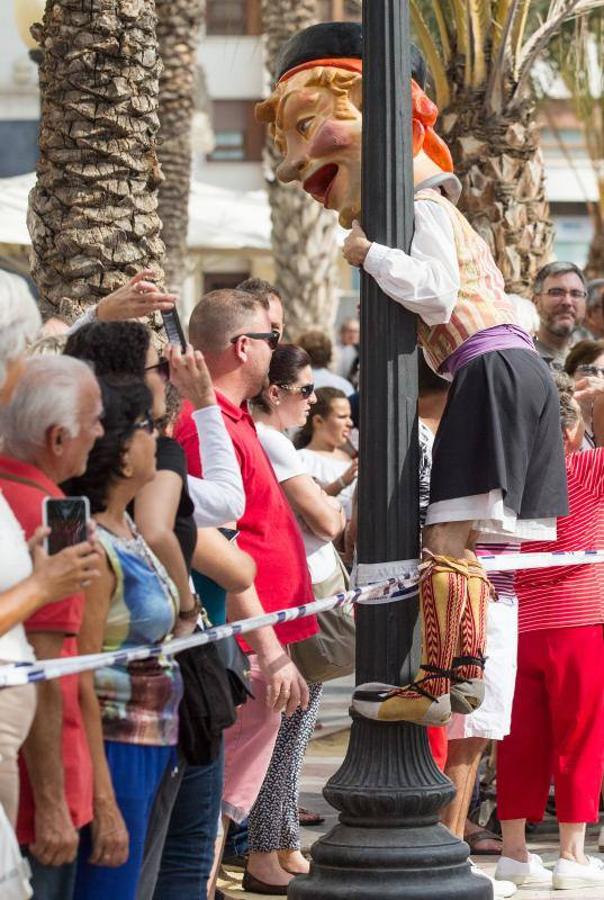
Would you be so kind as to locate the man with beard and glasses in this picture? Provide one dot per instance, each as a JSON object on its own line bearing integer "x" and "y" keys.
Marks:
{"x": 559, "y": 293}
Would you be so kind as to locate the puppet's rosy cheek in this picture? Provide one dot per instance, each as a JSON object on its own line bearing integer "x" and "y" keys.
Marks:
{"x": 334, "y": 134}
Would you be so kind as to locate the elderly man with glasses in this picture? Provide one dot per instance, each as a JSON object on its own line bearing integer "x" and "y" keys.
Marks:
{"x": 559, "y": 294}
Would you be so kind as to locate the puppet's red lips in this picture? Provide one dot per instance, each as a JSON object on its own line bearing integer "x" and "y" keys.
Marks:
{"x": 319, "y": 183}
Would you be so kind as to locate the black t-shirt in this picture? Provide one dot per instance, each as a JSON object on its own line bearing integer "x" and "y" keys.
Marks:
{"x": 171, "y": 458}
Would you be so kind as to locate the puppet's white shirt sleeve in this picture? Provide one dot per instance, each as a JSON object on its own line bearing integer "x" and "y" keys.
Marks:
{"x": 425, "y": 282}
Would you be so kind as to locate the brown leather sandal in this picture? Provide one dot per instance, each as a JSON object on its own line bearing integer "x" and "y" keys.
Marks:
{"x": 484, "y": 835}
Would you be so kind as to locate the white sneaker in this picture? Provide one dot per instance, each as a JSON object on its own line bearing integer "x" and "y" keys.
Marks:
{"x": 500, "y": 888}
{"x": 570, "y": 874}
{"x": 531, "y": 872}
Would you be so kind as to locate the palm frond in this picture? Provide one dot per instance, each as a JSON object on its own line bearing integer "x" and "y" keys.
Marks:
{"x": 443, "y": 31}
{"x": 500, "y": 16}
{"x": 499, "y": 75}
{"x": 461, "y": 27}
{"x": 519, "y": 28}
{"x": 560, "y": 11}
{"x": 479, "y": 19}
{"x": 433, "y": 58}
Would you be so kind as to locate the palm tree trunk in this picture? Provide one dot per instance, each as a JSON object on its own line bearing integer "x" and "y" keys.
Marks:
{"x": 304, "y": 235}
{"x": 93, "y": 212}
{"x": 499, "y": 162}
{"x": 178, "y": 29}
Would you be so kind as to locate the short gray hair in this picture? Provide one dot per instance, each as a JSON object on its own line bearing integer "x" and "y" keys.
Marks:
{"x": 556, "y": 268}
{"x": 19, "y": 318}
{"x": 595, "y": 292}
{"x": 46, "y": 395}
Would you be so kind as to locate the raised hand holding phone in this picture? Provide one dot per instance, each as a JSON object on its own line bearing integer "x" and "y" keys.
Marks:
{"x": 65, "y": 573}
{"x": 190, "y": 375}
{"x": 65, "y": 559}
{"x": 174, "y": 329}
{"x": 67, "y": 519}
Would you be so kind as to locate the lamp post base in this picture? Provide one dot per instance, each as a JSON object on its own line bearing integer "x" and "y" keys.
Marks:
{"x": 388, "y": 843}
{"x": 390, "y": 864}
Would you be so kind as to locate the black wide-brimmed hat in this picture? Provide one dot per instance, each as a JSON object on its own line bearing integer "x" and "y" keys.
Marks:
{"x": 334, "y": 40}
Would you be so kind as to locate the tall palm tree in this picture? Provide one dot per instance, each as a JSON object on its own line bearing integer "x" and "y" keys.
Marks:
{"x": 93, "y": 211}
{"x": 481, "y": 54}
{"x": 304, "y": 235}
{"x": 578, "y": 56}
{"x": 178, "y": 31}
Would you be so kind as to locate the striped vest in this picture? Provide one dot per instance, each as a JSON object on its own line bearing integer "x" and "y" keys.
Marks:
{"x": 482, "y": 302}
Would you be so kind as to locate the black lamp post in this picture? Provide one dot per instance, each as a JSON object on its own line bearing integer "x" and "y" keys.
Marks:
{"x": 388, "y": 843}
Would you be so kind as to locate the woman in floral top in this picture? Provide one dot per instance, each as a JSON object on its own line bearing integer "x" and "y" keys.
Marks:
{"x": 131, "y": 710}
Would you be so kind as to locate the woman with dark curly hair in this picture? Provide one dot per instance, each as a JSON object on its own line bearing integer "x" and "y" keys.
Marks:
{"x": 130, "y": 710}
{"x": 163, "y": 511}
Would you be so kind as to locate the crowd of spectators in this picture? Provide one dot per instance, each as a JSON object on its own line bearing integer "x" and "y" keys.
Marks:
{"x": 222, "y": 485}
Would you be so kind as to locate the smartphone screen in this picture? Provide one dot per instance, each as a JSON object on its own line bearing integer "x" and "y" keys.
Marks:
{"x": 173, "y": 327}
{"x": 68, "y": 522}
{"x": 229, "y": 533}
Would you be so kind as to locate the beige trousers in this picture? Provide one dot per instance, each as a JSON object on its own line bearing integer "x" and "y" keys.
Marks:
{"x": 17, "y": 709}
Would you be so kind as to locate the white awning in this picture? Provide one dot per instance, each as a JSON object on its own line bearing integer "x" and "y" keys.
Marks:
{"x": 219, "y": 219}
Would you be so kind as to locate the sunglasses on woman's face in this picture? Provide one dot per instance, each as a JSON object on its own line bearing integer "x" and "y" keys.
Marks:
{"x": 305, "y": 390}
{"x": 162, "y": 367}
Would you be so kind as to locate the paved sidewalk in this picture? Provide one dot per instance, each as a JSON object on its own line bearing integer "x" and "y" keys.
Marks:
{"x": 323, "y": 758}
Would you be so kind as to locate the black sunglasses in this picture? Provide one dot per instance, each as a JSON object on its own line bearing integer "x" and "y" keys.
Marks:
{"x": 271, "y": 337}
{"x": 305, "y": 390}
{"x": 162, "y": 367}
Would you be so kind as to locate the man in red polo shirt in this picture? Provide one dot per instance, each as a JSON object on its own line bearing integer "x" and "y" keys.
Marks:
{"x": 48, "y": 431}
{"x": 233, "y": 331}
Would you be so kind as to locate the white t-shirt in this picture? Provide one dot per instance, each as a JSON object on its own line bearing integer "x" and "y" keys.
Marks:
{"x": 320, "y": 555}
{"x": 327, "y": 469}
{"x": 16, "y": 565}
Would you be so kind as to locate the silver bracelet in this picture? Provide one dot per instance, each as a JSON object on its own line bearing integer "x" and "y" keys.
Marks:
{"x": 342, "y": 484}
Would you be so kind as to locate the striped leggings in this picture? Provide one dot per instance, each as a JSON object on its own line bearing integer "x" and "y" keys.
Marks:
{"x": 273, "y": 822}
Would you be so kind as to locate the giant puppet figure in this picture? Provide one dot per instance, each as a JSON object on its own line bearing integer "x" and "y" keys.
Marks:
{"x": 498, "y": 464}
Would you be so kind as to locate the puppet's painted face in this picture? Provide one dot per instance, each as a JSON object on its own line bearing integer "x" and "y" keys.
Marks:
{"x": 317, "y": 130}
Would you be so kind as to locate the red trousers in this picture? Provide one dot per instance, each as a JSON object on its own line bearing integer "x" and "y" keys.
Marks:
{"x": 557, "y": 727}
{"x": 437, "y": 738}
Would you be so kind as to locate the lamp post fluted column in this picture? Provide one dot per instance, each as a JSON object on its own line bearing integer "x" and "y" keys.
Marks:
{"x": 388, "y": 842}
